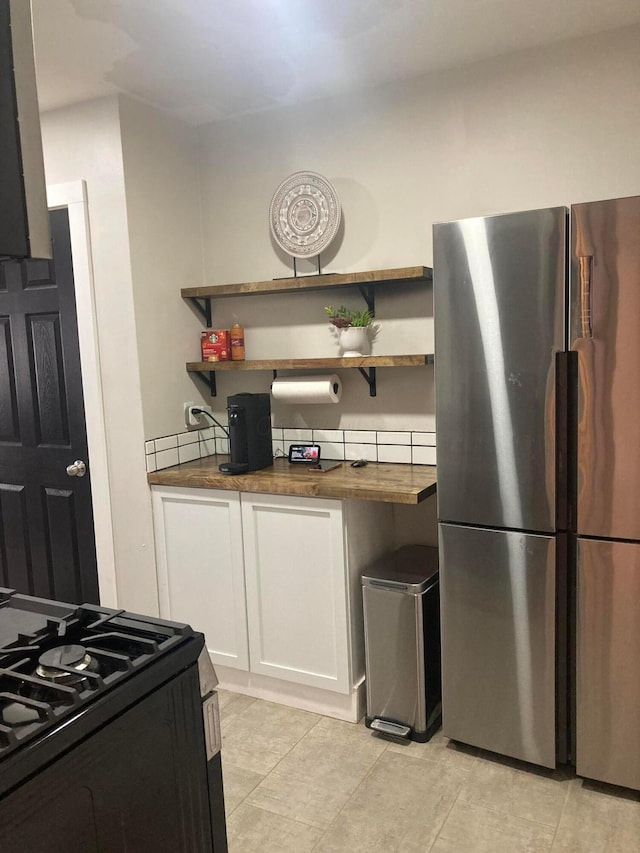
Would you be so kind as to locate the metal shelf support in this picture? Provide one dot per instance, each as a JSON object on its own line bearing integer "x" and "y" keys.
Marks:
{"x": 370, "y": 379}
{"x": 203, "y": 307}
{"x": 209, "y": 379}
{"x": 367, "y": 292}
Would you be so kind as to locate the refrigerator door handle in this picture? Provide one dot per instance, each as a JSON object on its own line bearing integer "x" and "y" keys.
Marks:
{"x": 586, "y": 264}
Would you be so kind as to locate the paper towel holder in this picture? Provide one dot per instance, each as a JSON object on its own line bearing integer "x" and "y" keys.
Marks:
{"x": 306, "y": 389}
{"x": 370, "y": 378}
{"x": 335, "y": 384}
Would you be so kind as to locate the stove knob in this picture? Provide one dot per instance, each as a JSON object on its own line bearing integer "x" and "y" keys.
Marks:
{"x": 77, "y": 469}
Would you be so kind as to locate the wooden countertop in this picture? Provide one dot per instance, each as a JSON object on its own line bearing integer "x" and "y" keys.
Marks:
{"x": 386, "y": 482}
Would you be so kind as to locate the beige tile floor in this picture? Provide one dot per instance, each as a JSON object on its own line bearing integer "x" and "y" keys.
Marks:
{"x": 297, "y": 782}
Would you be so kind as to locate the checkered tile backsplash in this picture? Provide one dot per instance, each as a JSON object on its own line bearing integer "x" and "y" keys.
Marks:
{"x": 416, "y": 448}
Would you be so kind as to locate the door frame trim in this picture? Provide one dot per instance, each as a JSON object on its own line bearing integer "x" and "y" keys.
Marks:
{"x": 73, "y": 196}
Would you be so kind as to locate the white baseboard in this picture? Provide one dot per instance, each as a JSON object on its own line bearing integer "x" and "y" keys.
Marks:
{"x": 350, "y": 707}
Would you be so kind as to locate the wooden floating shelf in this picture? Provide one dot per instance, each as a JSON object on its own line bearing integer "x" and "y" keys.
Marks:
{"x": 365, "y": 282}
{"x": 407, "y": 275}
{"x": 311, "y": 363}
{"x": 206, "y": 370}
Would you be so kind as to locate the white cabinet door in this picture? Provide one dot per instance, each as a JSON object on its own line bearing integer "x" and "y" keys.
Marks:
{"x": 297, "y": 589}
{"x": 198, "y": 535}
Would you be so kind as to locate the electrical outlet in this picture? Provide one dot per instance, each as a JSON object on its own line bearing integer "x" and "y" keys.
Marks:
{"x": 204, "y": 420}
{"x": 190, "y": 419}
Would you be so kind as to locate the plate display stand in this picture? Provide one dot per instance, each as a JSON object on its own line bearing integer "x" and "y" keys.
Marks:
{"x": 295, "y": 269}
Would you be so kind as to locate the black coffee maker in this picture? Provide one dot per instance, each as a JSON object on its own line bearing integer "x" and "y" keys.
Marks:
{"x": 249, "y": 433}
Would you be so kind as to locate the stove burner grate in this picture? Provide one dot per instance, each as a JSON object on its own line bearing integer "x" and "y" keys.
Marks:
{"x": 65, "y": 664}
{"x": 55, "y": 658}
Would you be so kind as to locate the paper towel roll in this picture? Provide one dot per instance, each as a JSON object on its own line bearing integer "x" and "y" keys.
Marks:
{"x": 307, "y": 389}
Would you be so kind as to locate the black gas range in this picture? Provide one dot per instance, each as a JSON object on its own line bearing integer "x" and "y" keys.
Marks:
{"x": 109, "y": 735}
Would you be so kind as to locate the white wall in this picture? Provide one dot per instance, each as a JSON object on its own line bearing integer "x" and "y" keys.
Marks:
{"x": 541, "y": 127}
{"x": 83, "y": 142}
{"x": 165, "y": 239}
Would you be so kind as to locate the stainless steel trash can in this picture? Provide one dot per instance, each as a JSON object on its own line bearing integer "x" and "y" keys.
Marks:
{"x": 402, "y": 643}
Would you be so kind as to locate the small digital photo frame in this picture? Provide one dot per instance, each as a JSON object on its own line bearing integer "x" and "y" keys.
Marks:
{"x": 301, "y": 454}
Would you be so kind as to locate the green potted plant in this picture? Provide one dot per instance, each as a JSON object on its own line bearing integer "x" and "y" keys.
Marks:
{"x": 353, "y": 329}
{"x": 343, "y": 317}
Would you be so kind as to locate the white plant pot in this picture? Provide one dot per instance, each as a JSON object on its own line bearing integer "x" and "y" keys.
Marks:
{"x": 354, "y": 340}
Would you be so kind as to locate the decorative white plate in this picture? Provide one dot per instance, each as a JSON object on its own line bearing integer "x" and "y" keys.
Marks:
{"x": 304, "y": 214}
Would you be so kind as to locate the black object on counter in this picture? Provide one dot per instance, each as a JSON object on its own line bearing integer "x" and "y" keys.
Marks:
{"x": 234, "y": 467}
{"x": 249, "y": 432}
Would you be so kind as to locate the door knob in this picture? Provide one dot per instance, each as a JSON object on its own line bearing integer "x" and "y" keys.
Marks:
{"x": 77, "y": 469}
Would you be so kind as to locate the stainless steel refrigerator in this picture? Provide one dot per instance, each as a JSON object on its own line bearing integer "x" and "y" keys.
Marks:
{"x": 538, "y": 414}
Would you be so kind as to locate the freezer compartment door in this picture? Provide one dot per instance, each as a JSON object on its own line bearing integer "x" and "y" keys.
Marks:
{"x": 499, "y": 309}
{"x": 608, "y": 662}
{"x": 497, "y": 593}
{"x": 605, "y": 324}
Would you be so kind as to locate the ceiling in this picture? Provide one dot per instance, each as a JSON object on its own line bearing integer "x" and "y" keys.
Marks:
{"x": 204, "y": 60}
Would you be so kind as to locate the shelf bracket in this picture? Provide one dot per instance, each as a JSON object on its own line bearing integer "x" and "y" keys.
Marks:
{"x": 370, "y": 378}
{"x": 209, "y": 379}
{"x": 203, "y": 307}
{"x": 368, "y": 294}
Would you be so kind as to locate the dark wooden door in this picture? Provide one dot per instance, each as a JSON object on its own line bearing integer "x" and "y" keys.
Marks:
{"x": 47, "y": 542}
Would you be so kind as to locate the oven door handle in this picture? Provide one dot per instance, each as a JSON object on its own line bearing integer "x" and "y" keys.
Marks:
{"x": 210, "y": 706}
{"x": 211, "y": 718}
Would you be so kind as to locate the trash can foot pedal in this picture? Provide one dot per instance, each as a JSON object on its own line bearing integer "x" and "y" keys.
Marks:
{"x": 388, "y": 728}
